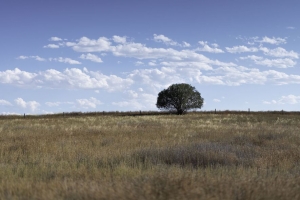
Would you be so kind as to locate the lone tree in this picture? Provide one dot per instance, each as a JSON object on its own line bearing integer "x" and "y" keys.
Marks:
{"x": 180, "y": 98}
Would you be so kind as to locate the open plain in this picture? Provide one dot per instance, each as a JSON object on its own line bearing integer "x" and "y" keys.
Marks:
{"x": 193, "y": 156}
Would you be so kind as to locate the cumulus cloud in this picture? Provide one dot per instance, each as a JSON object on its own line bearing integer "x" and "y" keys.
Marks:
{"x": 22, "y": 57}
{"x": 152, "y": 63}
{"x": 138, "y": 63}
{"x": 279, "y": 63}
{"x": 119, "y": 39}
{"x": 5, "y": 103}
{"x": 185, "y": 44}
{"x": 66, "y": 60}
{"x": 164, "y": 39}
{"x": 205, "y": 47}
{"x": 267, "y": 40}
{"x": 88, "y": 103}
{"x": 32, "y": 105}
{"x": 52, "y": 46}
{"x": 135, "y": 50}
{"x": 91, "y": 57}
{"x": 272, "y": 40}
{"x": 138, "y": 102}
{"x": 85, "y": 44}
{"x": 57, "y": 103}
{"x": 241, "y": 49}
{"x": 16, "y": 76}
{"x": 289, "y": 99}
{"x": 77, "y": 78}
{"x": 167, "y": 41}
{"x": 68, "y": 78}
{"x": 55, "y": 39}
{"x": 38, "y": 58}
{"x": 279, "y": 52}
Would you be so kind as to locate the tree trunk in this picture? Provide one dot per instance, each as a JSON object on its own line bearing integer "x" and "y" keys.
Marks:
{"x": 179, "y": 111}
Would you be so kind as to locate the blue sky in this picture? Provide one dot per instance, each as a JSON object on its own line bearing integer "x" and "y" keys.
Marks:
{"x": 72, "y": 55}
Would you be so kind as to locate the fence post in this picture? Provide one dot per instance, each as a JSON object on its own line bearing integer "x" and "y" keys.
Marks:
{"x": 24, "y": 115}
{"x": 140, "y": 112}
{"x": 215, "y": 111}
{"x": 248, "y": 110}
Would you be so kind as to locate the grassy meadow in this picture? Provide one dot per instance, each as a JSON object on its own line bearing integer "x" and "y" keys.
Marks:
{"x": 195, "y": 156}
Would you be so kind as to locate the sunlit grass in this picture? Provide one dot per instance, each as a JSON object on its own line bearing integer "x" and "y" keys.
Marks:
{"x": 195, "y": 156}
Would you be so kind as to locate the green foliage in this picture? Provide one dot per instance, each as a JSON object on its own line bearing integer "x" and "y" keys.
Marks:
{"x": 180, "y": 98}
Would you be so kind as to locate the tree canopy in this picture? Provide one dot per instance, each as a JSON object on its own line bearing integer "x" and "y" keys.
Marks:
{"x": 180, "y": 98}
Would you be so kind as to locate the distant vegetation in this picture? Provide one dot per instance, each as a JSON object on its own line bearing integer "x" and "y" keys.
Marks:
{"x": 228, "y": 155}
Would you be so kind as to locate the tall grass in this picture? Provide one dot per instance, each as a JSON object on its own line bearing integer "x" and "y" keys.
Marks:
{"x": 196, "y": 156}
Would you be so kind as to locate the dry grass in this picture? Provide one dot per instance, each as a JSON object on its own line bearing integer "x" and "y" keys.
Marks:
{"x": 196, "y": 156}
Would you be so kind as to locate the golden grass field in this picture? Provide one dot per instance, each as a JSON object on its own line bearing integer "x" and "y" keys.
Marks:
{"x": 194, "y": 156}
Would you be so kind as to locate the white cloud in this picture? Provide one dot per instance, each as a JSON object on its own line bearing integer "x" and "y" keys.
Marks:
{"x": 252, "y": 57}
{"x": 164, "y": 39}
{"x": 32, "y": 105}
{"x": 241, "y": 49}
{"x": 70, "y": 44}
{"x": 69, "y": 78}
{"x": 55, "y": 39}
{"x": 87, "y": 45}
{"x": 76, "y": 78}
{"x": 10, "y": 113}
{"x": 38, "y": 58}
{"x": 22, "y": 57}
{"x": 55, "y": 104}
{"x": 217, "y": 100}
{"x": 67, "y": 60}
{"x": 279, "y": 52}
{"x": 151, "y": 63}
{"x": 135, "y": 50}
{"x": 185, "y": 44}
{"x": 215, "y": 45}
{"x": 269, "y": 102}
{"x": 5, "y": 103}
{"x": 132, "y": 93}
{"x": 289, "y": 99}
{"x": 268, "y": 40}
{"x": 280, "y": 63}
{"x": 207, "y": 48}
{"x": 142, "y": 102}
{"x": 272, "y": 40}
{"x": 16, "y": 76}
{"x": 91, "y": 57}
{"x": 52, "y": 46}
{"x": 168, "y": 41}
{"x": 88, "y": 103}
{"x": 33, "y": 57}
{"x": 138, "y": 63}
{"x": 119, "y": 39}
{"x": 199, "y": 65}
{"x": 290, "y": 27}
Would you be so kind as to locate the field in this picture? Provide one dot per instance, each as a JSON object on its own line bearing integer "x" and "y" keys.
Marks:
{"x": 194, "y": 156}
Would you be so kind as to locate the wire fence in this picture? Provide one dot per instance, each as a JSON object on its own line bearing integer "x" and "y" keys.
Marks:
{"x": 145, "y": 113}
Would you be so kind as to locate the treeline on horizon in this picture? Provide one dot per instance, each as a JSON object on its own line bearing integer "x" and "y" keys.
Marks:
{"x": 144, "y": 113}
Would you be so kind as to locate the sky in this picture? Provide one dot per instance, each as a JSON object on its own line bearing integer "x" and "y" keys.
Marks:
{"x": 116, "y": 55}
